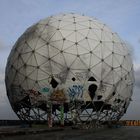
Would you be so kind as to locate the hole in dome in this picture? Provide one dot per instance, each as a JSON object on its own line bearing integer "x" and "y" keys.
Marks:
{"x": 99, "y": 97}
{"x": 92, "y": 89}
{"x": 118, "y": 100}
{"x": 113, "y": 93}
{"x": 73, "y": 79}
{"x": 89, "y": 69}
{"x": 91, "y": 79}
{"x": 68, "y": 69}
{"x": 54, "y": 83}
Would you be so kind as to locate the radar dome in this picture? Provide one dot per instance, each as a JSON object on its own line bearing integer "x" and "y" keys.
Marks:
{"x": 72, "y": 61}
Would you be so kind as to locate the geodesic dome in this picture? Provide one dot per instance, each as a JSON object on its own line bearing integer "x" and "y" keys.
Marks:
{"x": 70, "y": 60}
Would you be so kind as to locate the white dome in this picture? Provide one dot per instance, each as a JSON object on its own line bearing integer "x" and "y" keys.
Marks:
{"x": 73, "y": 54}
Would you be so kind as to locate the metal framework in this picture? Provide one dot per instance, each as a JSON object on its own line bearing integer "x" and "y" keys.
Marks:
{"x": 69, "y": 68}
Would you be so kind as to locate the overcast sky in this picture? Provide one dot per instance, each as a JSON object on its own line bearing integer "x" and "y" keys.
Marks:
{"x": 123, "y": 16}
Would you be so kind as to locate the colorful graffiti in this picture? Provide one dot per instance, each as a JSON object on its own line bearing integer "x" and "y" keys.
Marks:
{"x": 132, "y": 123}
{"x": 45, "y": 90}
{"x": 75, "y": 91}
{"x": 58, "y": 95}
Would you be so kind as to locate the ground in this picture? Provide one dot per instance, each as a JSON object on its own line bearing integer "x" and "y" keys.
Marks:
{"x": 122, "y": 133}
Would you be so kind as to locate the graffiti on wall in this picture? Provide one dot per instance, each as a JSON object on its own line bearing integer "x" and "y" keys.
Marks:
{"x": 45, "y": 90}
{"x": 132, "y": 122}
{"x": 75, "y": 91}
{"x": 58, "y": 95}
